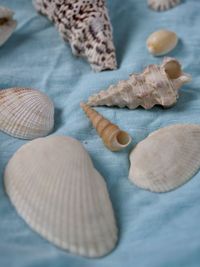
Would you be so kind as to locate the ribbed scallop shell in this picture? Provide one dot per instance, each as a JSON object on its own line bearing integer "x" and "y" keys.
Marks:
{"x": 55, "y": 188}
{"x": 7, "y": 24}
{"x": 162, "y": 5}
{"x": 167, "y": 158}
{"x": 25, "y": 113}
{"x": 156, "y": 85}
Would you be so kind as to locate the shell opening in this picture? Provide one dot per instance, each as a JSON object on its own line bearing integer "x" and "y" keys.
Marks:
{"x": 123, "y": 138}
{"x": 173, "y": 69}
{"x": 3, "y": 21}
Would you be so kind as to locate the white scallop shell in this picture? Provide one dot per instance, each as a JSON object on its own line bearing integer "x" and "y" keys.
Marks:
{"x": 7, "y": 24}
{"x": 162, "y": 5}
{"x": 167, "y": 158}
{"x": 55, "y": 188}
{"x": 25, "y": 113}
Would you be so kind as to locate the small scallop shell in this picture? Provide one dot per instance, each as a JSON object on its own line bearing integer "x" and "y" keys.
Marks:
{"x": 25, "y": 113}
{"x": 7, "y": 24}
{"x": 167, "y": 158}
{"x": 162, "y": 5}
{"x": 113, "y": 137}
{"x": 55, "y": 188}
{"x": 161, "y": 42}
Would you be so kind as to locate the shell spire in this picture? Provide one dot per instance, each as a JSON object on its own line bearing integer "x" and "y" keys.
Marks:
{"x": 86, "y": 26}
{"x": 156, "y": 85}
{"x": 113, "y": 137}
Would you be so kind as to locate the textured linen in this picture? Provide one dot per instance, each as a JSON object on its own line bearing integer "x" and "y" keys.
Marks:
{"x": 155, "y": 230}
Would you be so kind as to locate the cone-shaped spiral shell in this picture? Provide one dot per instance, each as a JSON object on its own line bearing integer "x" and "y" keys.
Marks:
{"x": 7, "y": 24}
{"x": 86, "y": 25}
{"x": 25, "y": 113}
{"x": 167, "y": 158}
{"x": 53, "y": 185}
{"x": 113, "y": 137}
{"x": 162, "y": 5}
{"x": 157, "y": 85}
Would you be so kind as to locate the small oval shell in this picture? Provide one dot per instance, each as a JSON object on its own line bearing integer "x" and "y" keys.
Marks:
{"x": 161, "y": 42}
{"x": 113, "y": 137}
{"x": 25, "y": 113}
{"x": 7, "y": 24}
{"x": 56, "y": 189}
{"x": 167, "y": 158}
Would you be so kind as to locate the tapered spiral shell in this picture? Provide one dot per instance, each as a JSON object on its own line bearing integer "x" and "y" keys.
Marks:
{"x": 113, "y": 137}
{"x": 156, "y": 85}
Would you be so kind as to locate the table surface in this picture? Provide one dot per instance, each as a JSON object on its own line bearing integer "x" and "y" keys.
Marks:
{"x": 155, "y": 230}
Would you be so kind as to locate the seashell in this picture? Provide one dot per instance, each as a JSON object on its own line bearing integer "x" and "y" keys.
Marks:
{"x": 86, "y": 25}
{"x": 25, "y": 113}
{"x": 53, "y": 185}
{"x": 7, "y": 24}
{"x": 162, "y": 5}
{"x": 157, "y": 85}
{"x": 167, "y": 158}
{"x": 161, "y": 42}
{"x": 113, "y": 137}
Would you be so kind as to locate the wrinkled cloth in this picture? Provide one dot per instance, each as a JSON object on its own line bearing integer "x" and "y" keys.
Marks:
{"x": 155, "y": 230}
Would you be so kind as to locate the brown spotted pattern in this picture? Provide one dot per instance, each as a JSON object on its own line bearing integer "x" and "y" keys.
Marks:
{"x": 86, "y": 25}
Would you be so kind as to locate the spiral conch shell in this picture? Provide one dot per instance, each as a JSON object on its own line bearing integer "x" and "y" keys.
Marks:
{"x": 167, "y": 158}
{"x": 55, "y": 188}
{"x": 157, "y": 85}
{"x": 86, "y": 25}
{"x": 25, "y": 113}
{"x": 161, "y": 42}
{"x": 113, "y": 137}
{"x": 7, "y": 24}
{"x": 162, "y": 5}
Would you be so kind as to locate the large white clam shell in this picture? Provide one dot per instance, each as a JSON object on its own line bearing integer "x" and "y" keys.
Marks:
{"x": 167, "y": 158}
{"x": 55, "y": 188}
{"x": 7, "y": 24}
{"x": 25, "y": 113}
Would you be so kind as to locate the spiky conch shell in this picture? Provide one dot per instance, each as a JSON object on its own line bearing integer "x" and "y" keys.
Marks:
{"x": 167, "y": 158}
{"x": 113, "y": 137}
{"x": 157, "y": 85}
{"x": 162, "y": 5}
{"x": 55, "y": 188}
{"x": 26, "y": 113}
{"x": 86, "y": 25}
{"x": 7, "y": 24}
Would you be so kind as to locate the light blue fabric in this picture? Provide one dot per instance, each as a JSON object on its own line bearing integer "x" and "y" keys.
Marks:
{"x": 155, "y": 230}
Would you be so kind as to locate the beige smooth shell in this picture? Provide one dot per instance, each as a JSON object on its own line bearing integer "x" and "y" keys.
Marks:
{"x": 167, "y": 158}
{"x": 161, "y": 42}
{"x": 55, "y": 188}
